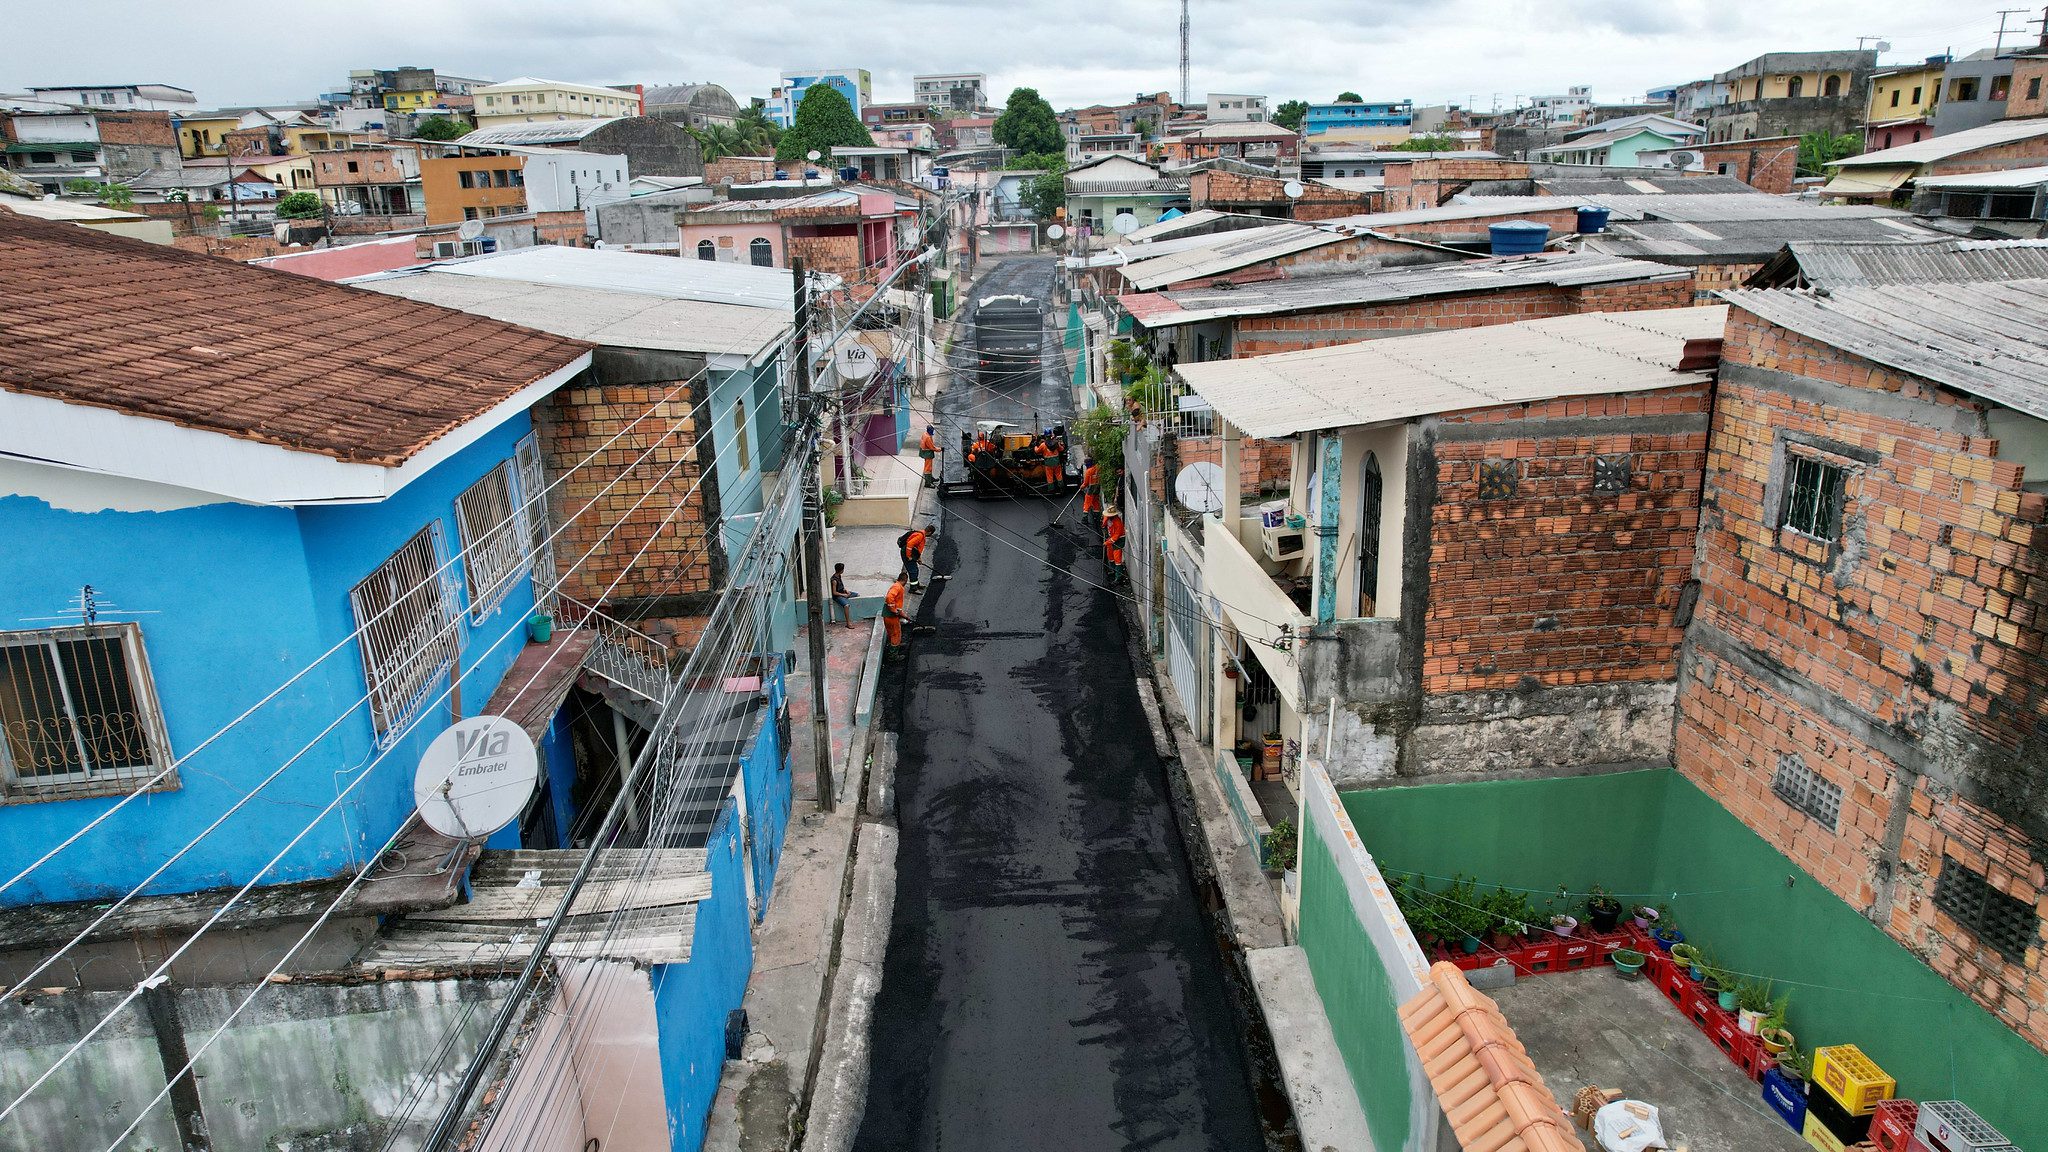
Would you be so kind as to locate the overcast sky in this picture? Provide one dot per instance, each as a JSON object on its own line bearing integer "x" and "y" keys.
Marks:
{"x": 1074, "y": 51}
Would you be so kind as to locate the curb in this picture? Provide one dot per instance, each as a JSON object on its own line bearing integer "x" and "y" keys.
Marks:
{"x": 839, "y": 1097}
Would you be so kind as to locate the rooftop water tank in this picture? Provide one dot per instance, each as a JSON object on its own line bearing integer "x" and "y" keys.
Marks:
{"x": 1591, "y": 220}
{"x": 1518, "y": 237}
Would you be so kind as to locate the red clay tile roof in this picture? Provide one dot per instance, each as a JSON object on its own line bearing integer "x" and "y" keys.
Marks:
{"x": 1489, "y": 1089}
{"x": 249, "y": 352}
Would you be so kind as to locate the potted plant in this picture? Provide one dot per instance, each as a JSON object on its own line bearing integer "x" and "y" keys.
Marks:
{"x": 1628, "y": 963}
{"x": 1665, "y": 934}
{"x": 1718, "y": 983}
{"x": 1646, "y": 917}
{"x": 1794, "y": 1064}
{"x": 1752, "y": 1004}
{"x": 1281, "y": 845}
{"x": 1603, "y": 910}
{"x": 1563, "y": 924}
{"x": 1771, "y": 1031}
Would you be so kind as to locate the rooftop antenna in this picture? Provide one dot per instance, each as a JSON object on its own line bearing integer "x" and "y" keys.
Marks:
{"x": 1183, "y": 52}
{"x": 1999, "y": 50}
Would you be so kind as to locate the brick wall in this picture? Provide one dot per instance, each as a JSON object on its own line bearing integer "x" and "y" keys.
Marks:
{"x": 568, "y": 229}
{"x": 577, "y": 421}
{"x": 2025, "y": 70}
{"x": 2019, "y": 154}
{"x": 1263, "y": 465}
{"x": 1902, "y": 665}
{"x": 1560, "y": 585}
{"x": 1429, "y": 183}
{"x": 1233, "y": 191}
{"x": 1707, "y": 279}
{"x": 1561, "y": 221}
{"x": 152, "y": 129}
{"x": 739, "y": 169}
{"x": 839, "y": 255}
{"x": 1263, "y": 335}
{"x": 1766, "y": 165}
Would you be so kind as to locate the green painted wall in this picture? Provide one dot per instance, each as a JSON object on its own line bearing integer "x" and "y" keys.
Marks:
{"x": 1655, "y": 836}
{"x": 1357, "y": 998}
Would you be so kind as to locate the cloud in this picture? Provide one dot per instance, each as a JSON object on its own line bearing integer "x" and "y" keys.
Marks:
{"x": 1074, "y": 51}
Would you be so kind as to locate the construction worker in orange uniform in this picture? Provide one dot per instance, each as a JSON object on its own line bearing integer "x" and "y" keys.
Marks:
{"x": 913, "y": 543}
{"x": 1049, "y": 453}
{"x": 1091, "y": 493}
{"x": 892, "y": 614}
{"x": 929, "y": 449}
{"x": 1113, "y": 544}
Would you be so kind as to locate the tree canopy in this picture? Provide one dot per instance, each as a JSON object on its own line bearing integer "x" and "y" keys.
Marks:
{"x": 1045, "y": 195}
{"x": 1290, "y": 114}
{"x": 1028, "y": 124}
{"x": 1437, "y": 143}
{"x": 299, "y": 206}
{"x": 1819, "y": 149}
{"x": 1350, "y": 98}
{"x": 717, "y": 141}
{"x": 440, "y": 128}
{"x": 1041, "y": 161}
{"x": 759, "y": 133}
{"x": 824, "y": 121}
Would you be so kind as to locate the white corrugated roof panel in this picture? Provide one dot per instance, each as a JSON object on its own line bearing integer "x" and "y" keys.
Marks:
{"x": 2010, "y": 178}
{"x": 1953, "y": 144}
{"x": 617, "y": 319}
{"x": 1234, "y": 250}
{"x": 1403, "y": 377}
{"x": 707, "y": 280}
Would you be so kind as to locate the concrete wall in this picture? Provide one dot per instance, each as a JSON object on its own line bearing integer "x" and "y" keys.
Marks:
{"x": 1655, "y": 838}
{"x": 356, "y": 1055}
{"x": 1366, "y": 965}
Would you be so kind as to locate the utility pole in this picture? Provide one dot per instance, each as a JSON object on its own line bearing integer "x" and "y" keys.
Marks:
{"x": 1183, "y": 53}
{"x": 814, "y": 545}
{"x": 1999, "y": 50}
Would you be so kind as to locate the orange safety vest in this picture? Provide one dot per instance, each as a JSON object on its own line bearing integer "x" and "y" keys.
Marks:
{"x": 1088, "y": 477}
{"x": 892, "y": 600}
{"x": 1113, "y": 528}
{"x": 914, "y": 546}
{"x": 926, "y": 447}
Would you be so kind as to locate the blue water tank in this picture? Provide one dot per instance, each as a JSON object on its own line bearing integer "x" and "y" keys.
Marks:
{"x": 781, "y": 174}
{"x": 849, "y": 173}
{"x": 1518, "y": 237}
{"x": 1592, "y": 220}
{"x": 810, "y": 173}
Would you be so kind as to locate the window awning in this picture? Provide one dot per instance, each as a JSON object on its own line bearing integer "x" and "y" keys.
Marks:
{"x": 1881, "y": 182}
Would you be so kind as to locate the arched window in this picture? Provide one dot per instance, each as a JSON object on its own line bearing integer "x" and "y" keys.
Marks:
{"x": 706, "y": 250}
{"x": 1795, "y": 87}
{"x": 761, "y": 252}
{"x": 1832, "y": 86}
{"x": 1370, "y": 489}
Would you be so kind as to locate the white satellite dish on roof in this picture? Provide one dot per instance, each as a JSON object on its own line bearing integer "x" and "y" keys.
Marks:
{"x": 855, "y": 360}
{"x": 1199, "y": 487}
{"x": 1293, "y": 189}
{"x": 470, "y": 229}
{"x": 1124, "y": 224}
{"x": 476, "y": 777}
{"x": 1055, "y": 232}
{"x": 814, "y": 155}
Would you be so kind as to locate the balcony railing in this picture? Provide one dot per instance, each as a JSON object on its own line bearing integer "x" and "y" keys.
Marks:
{"x": 619, "y": 652}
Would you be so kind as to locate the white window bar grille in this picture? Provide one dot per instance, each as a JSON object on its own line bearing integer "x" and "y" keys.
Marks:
{"x": 406, "y": 611}
{"x": 78, "y": 710}
{"x": 494, "y": 540}
{"x": 533, "y": 483}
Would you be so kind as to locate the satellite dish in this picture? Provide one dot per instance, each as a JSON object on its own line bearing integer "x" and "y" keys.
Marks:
{"x": 476, "y": 777}
{"x": 470, "y": 229}
{"x": 814, "y": 155}
{"x": 1293, "y": 189}
{"x": 1884, "y": 45}
{"x": 1199, "y": 487}
{"x": 1684, "y": 159}
{"x": 1124, "y": 224}
{"x": 855, "y": 360}
{"x": 1055, "y": 232}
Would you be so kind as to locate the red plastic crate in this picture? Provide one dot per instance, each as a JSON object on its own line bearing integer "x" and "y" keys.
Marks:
{"x": 1891, "y": 1126}
{"x": 1694, "y": 1005}
{"x": 1579, "y": 952}
{"x": 1672, "y": 981}
{"x": 1760, "y": 1062}
{"x": 1540, "y": 955}
{"x": 1727, "y": 1035}
{"x": 1610, "y": 942}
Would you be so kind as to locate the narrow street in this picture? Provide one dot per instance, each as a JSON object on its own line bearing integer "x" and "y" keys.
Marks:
{"x": 1052, "y": 979}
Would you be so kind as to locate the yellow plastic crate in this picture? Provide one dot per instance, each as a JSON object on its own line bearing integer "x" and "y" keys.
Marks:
{"x": 1853, "y": 1079}
{"x": 1817, "y": 1134}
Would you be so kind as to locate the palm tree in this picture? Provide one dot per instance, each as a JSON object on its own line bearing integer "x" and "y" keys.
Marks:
{"x": 718, "y": 141}
{"x": 757, "y": 131}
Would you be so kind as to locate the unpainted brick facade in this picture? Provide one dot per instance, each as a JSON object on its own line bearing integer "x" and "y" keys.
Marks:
{"x": 1263, "y": 335}
{"x": 1264, "y": 195}
{"x": 1765, "y": 165}
{"x": 2018, "y": 154}
{"x": 1565, "y": 581}
{"x": 1901, "y": 663}
{"x": 1429, "y": 183}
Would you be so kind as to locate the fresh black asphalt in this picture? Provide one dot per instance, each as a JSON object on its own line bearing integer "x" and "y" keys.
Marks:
{"x": 1052, "y": 980}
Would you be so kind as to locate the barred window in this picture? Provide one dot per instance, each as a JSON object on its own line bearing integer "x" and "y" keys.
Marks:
{"x": 1813, "y": 497}
{"x": 533, "y": 488}
{"x": 1804, "y": 789}
{"x": 78, "y": 711}
{"x": 1498, "y": 479}
{"x": 1611, "y": 473}
{"x": 406, "y": 611}
{"x": 494, "y": 539}
{"x": 2005, "y": 924}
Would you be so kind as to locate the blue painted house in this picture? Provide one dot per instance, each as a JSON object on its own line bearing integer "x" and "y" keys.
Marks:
{"x": 272, "y": 535}
{"x": 1380, "y": 114}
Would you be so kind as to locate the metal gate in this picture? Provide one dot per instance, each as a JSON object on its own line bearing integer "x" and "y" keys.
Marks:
{"x": 1190, "y": 645}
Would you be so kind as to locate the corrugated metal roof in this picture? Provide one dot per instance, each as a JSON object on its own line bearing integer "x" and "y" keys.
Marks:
{"x": 713, "y": 281}
{"x": 1403, "y": 377}
{"x": 1475, "y": 208}
{"x": 2010, "y": 178}
{"x": 1955, "y": 143}
{"x": 1868, "y": 182}
{"x": 1988, "y": 340}
{"x": 1127, "y": 188}
{"x": 1936, "y": 262}
{"x": 1716, "y": 207}
{"x": 1388, "y": 285}
{"x": 1746, "y": 241}
{"x": 1181, "y": 223}
{"x": 1607, "y": 138}
{"x": 545, "y": 132}
{"x": 617, "y": 319}
{"x": 1232, "y": 251}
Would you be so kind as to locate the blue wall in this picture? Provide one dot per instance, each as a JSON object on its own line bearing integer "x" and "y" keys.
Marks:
{"x": 232, "y": 600}
{"x": 764, "y": 768}
{"x": 691, "y": 1000}
{"x": 1323, "y": 117}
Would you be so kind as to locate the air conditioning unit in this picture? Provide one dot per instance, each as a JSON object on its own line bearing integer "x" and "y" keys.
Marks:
{"x": 1282, "y": 543}
{"x": 450, "y": 249}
